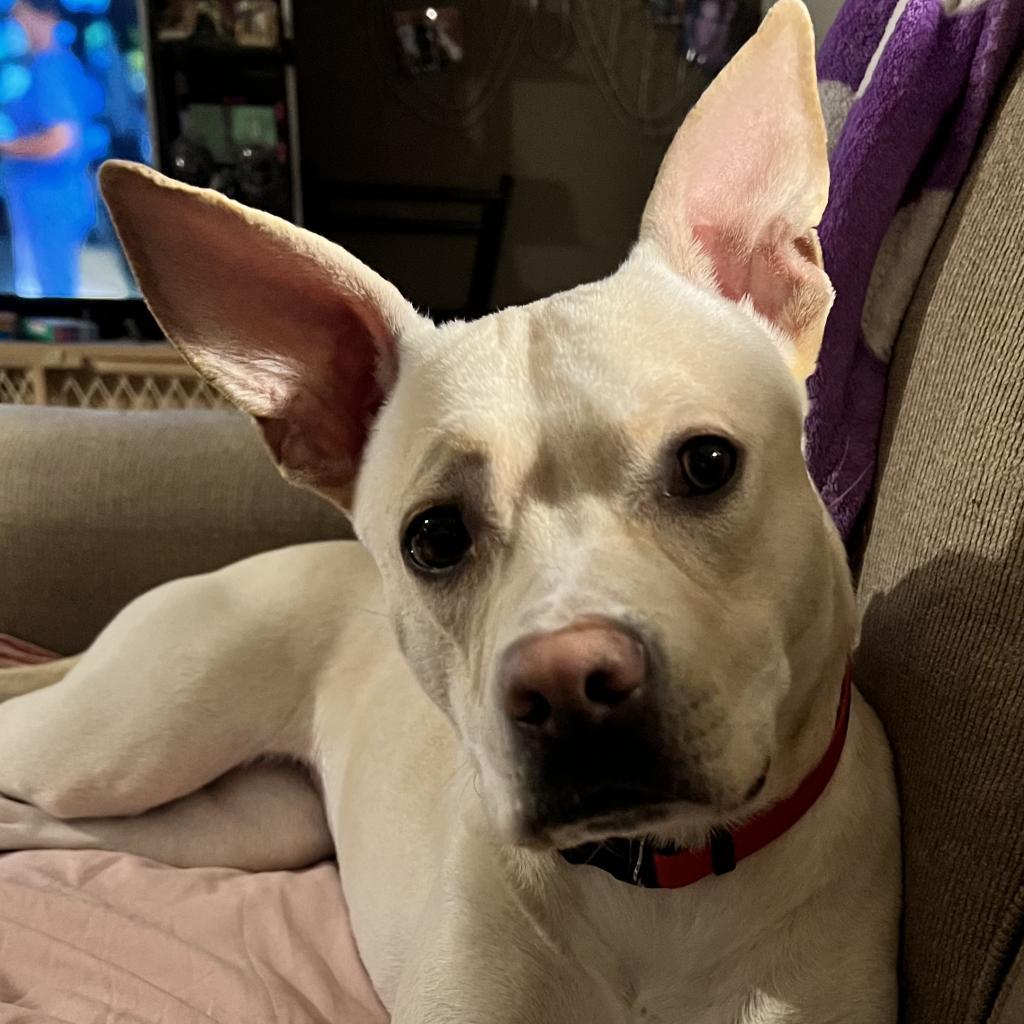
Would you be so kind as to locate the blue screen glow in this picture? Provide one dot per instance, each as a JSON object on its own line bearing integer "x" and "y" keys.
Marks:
{"x": 72, "y": 94}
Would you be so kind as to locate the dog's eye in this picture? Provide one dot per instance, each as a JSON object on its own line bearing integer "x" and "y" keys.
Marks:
{"x": 437, "y": 540}
{"x": 708, "y": 463}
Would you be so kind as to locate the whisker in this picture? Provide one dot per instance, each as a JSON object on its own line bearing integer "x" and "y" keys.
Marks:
{"x": 860, "y": 476}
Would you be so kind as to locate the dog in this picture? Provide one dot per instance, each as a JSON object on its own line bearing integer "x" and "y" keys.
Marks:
{"x": 578, "y": 705}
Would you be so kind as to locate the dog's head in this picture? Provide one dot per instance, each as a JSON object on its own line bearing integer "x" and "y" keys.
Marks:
{"x": 597, "y": 537}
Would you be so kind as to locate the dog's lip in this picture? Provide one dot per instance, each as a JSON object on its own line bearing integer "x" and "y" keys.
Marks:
{"x": 608, "y": 808}
{"x": 633, "y": 823}
{"x": 758, "y": 785}
{"x": 645, "y": 819}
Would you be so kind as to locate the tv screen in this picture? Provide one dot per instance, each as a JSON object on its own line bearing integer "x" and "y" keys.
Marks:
{"x": 72, "y": 94}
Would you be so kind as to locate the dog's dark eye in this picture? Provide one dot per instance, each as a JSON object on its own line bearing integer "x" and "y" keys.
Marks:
{"x": 708, "y": 463}
{"x": 437, "y": 540}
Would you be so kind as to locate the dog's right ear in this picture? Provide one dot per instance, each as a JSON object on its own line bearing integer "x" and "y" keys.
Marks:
{"x": 290, "y": 327}
{"x": 743, "y": 186}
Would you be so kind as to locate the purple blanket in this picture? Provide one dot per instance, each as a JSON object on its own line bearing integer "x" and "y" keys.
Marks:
{"x": 906, "y": 86}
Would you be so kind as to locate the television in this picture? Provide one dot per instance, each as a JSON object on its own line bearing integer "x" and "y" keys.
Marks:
{"x": 73, "y": 93}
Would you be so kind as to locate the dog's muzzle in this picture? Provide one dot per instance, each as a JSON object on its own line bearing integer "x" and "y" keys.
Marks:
{"x": 583, "y": 707}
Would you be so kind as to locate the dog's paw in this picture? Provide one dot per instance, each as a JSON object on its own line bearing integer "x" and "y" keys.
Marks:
{"x": 24, "y": 827}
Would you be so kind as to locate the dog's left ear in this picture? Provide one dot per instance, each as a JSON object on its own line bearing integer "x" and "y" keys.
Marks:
{"x": 744, "y": 184}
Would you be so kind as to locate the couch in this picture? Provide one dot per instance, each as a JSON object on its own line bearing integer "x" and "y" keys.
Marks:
{"x": 97, "y": 507}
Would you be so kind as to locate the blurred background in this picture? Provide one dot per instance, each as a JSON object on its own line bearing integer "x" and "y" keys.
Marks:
{"x": 479, "y": 153}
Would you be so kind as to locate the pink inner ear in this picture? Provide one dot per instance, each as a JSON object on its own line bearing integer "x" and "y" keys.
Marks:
{"x": 770, "y": 272}
{"x": 319, "y": 440}
{"x": 337, "y": 373}
{"x": 362, "y": 372}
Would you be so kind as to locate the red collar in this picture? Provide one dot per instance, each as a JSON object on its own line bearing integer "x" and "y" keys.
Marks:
{"x": 636, "y": 862}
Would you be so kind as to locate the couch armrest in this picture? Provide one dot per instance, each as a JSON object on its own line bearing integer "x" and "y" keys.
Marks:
{"x": 98, "y": 507}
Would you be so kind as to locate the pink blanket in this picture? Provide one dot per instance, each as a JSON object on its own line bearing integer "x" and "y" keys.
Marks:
{"x": 89, "y": 937}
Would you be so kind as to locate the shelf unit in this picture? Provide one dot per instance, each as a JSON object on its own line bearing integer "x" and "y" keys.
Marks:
{"x": 206, "y": 69}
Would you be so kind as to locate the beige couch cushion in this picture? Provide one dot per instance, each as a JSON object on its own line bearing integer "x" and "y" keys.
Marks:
{"x": 942, "y": 590}
{"x": 97, "y": 507}
{"x": 1010, "y": 1003}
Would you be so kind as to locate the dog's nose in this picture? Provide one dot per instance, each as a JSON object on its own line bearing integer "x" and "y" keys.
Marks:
{"x": 556, "y": 683}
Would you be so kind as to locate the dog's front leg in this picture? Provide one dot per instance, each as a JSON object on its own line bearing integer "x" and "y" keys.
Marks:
{"x": 264, "y": 817}
{"x": 16, "y": 682}
{"x": 481, "y": 956}
{"x": 185, "y": 684}
{"x": 470, "y": 972}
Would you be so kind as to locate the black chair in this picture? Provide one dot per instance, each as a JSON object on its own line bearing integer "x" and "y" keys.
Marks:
{"x": 337, "y": 210}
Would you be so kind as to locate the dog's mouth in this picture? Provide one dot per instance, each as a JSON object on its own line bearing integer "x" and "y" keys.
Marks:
{"x": 564, "y": 821}
{"x": 631, "y": 781}
{"x": 640, "y": 821}
{"x": 589, "y": 816}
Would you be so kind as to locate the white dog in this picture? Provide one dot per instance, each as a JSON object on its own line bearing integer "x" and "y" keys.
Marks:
{"x": 599, "y": 760}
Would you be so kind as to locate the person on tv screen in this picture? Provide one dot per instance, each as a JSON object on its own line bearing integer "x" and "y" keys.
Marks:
{"x": 43, "y": 168}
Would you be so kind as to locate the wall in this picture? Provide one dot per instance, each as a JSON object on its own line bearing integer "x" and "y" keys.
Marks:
{"x": 582, "y": 166}
{"x": 823, "y": 13}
